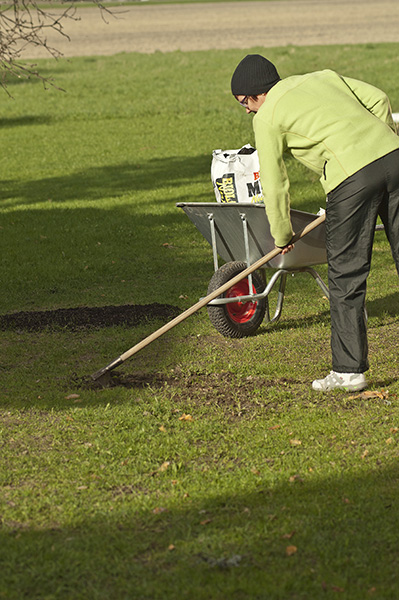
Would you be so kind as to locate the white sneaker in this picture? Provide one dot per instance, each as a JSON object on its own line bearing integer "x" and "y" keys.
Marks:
{"x": 351, "y": 382}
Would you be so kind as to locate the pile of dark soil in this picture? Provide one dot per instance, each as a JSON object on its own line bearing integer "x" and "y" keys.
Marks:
{"x": 128, "y": 315}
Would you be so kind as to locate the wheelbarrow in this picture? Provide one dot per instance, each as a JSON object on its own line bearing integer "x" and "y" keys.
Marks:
{"x": 239, "y": 233}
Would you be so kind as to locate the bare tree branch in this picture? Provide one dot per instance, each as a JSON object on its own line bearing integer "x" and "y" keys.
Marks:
{"x": 24, "y": 23}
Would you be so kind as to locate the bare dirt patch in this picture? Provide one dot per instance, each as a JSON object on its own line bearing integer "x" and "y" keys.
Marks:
{"x": 237, "y": 397}
{"x": 188, "y": 27}
{"x": 129, "y": 315}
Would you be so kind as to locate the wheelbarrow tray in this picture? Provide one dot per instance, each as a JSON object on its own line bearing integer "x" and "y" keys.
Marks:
{"x": 231, "y": 227}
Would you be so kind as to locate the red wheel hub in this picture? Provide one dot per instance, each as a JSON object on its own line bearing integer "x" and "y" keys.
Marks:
{"x": 240, "y": 312}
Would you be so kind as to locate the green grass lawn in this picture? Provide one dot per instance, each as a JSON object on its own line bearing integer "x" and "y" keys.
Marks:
{"x": 213, "y": 471}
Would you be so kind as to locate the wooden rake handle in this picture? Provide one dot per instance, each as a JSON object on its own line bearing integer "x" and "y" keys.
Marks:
{"x": 204, "y": 301}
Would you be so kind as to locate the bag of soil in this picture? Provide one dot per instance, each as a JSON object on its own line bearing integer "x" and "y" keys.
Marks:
{"x": 235, "y": 175}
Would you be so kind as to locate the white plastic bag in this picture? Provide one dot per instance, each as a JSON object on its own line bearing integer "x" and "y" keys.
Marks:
{"x": 235, "y": 175}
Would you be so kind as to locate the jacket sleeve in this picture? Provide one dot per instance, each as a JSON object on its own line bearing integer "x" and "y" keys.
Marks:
{"x": 372, "y": 98}
{"x": 274, "y": 180}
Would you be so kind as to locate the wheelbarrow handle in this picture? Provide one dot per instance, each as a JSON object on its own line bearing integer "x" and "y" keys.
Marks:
{"x": 204, "y": 301}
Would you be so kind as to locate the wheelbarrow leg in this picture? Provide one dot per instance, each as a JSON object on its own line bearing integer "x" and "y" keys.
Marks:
{"x": 318, "y": 280}
{"x": 282, "y": 275}
{"x": 283, "y": 279}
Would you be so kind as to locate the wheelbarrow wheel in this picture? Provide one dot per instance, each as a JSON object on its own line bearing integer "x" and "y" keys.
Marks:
{"x": 236, "y": 319}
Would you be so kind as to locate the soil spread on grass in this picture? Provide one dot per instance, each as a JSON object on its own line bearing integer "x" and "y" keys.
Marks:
{"x": 128, "y": 315}
{"x": 234, "y": 395}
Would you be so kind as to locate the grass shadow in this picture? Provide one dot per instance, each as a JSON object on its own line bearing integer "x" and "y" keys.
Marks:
{"x": 8, "y": 122}
{"x": 305, "y": 539}
{"x": 388, "y": 305}
{"x": 108, "y": 181}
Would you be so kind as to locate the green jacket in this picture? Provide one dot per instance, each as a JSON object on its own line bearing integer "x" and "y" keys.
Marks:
{"x": 334, "y": 125}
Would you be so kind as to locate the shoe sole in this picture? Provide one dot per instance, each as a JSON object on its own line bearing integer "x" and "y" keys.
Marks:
{"x": 354, "y": 388}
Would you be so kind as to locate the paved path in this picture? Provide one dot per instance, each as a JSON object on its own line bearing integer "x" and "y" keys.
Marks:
{"x": 167, "y": 27}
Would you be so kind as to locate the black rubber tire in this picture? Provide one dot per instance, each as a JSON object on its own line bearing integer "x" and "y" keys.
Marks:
{"x": 249, "y": 315}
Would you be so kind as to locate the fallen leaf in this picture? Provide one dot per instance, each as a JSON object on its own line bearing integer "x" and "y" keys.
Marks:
{"x": 370, "y": 394}
{"x": 394, "y": 430}
{"x": 159, "y": 509}
{"x": 291, "y": 550}
{"x": 288, "y": 536}
{"x": 295, "y": 442}
{"x": 365, "y": 453}
{"x": 171, "y": 547}
{"x": 164, "y": 466}
{"x": 72, "y": 397}
{"x": 274, "y": 427}
{"x": 205, "y": 521}
{"x": 162, "y": 428}
{"x": 389, "y": 440}
{"x": 185, "y": 417}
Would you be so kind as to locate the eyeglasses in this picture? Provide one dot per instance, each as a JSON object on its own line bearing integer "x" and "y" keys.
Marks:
{"x": 244, "y": 102}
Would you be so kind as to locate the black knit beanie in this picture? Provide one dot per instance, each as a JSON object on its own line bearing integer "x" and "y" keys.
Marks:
{"x": 254, "y": 75}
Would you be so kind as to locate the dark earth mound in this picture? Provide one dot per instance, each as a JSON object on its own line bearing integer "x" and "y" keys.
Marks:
{"x": 128, "y": 315}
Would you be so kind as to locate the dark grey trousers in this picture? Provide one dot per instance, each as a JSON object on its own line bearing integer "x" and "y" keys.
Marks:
{"x": 351, "y": 214}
